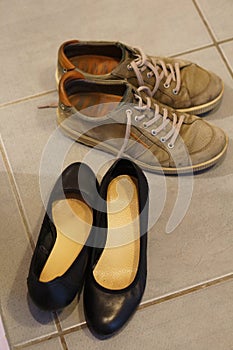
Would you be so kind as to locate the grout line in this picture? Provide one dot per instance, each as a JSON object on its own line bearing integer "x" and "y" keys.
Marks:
{"x": 205, "y": 22}
{"x": 61, "y": 333}
{"x": 193, "y": 50}
{"x": 28, "y": 232}
{"x": 59, "y": 329}
{"x": 15, "y": 191}
{"x": 225, "y": 41}
{"x": 190, "y": 290}
{"x": 36, "y": 341}
{"x": 75, "y": 328}
{"x": 63, "y": 343}
{"x": 28, "y": 98}
{"x": 173, "y": 295}
{"x": 215, "y": 42}
{"x": 225, "y": 61}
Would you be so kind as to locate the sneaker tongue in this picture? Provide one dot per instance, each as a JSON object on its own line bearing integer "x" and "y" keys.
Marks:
{"x": 129, "y": 95}
{"x": 122, "y": 71}
{"x": 128, "y": 55}
{"x": 131, "y": 92}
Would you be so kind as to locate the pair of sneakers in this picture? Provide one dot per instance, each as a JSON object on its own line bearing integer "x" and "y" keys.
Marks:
{"x": 117, "y": 99}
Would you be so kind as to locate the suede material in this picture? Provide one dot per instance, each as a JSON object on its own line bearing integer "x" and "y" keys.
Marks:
{"x": 197, "y": 145}
{"x": 199, "y": 92}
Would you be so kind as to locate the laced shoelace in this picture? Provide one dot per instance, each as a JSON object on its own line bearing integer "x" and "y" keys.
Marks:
{"x": 171, "y": 135}
{"x": 171, "y": 72}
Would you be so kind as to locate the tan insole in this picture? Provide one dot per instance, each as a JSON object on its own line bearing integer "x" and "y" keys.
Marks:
{"x": 95, "y": 64}
{"x": 94, "y": 104}
{"x": 73, "y": 221}
{"x": 118, "y": 264}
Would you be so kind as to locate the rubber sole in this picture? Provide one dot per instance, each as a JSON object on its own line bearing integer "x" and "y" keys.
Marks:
{"x": 204, "y": 108}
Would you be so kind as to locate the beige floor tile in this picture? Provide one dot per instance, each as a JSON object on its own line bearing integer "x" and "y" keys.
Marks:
{"x": 46, "y": 145}
{"x": 210, "y": 59}
{"x": 203, "y": 239}
{"x": 73, "y": 314}
{"x": 26, "y": 132}
{"x": 22, "y": 320}
{"x": 199, "y": 321}
{"x": 29, "y": 68}
{"x": 218, "y": 14}
{"x": 228, "y": 52}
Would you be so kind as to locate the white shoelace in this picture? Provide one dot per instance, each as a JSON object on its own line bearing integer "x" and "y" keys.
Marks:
{"x": 171, "y": 135}
{"x": 141, "y": 63}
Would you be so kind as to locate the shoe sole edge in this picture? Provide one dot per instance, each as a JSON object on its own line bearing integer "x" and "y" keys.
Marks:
{"x": 204, "y": 108}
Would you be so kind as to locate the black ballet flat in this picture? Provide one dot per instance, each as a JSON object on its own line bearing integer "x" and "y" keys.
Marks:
{"x": 116, "y": 278}
{"x": 62, "y": 252}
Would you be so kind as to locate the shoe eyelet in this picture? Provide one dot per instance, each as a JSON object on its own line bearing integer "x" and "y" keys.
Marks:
{"x": 149, "y": 75}
{"x": 65, "y": 70}
{"x": 166, "y": 85}
{"x": 153, "y": 132}
{"x": 136, "y": 118}
{"x": 129, "y": 67}
{"x": 170, "y": 145}
{"x": 145, "y": 125}
{"x": 163, "y": 139}
{"x": 129, "y": 111}
{"x": 175, "y": 92}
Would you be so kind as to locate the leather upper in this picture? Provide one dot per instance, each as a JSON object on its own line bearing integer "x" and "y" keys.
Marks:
{"x": 77, "y": 179}
{"x": 108, "y": 310}
{"x": 198, "y": 86}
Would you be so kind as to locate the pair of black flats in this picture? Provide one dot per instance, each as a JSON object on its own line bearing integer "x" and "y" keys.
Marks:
{"x": 94, "y": 236}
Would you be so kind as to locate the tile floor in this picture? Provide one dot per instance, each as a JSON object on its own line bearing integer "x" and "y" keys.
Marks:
{"x": 188, "y": 303}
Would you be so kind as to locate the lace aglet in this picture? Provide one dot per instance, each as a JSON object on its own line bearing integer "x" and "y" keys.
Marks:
{"x": 52, "y": 105}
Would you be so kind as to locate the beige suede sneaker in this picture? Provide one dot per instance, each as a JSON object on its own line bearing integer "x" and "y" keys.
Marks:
{"x": 177, "y": 83}
{"x": 116, "y": 117}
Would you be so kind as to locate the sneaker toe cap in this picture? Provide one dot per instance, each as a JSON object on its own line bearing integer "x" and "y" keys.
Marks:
{"x": 209, "y": 146}
{"x": 202, "y": 86}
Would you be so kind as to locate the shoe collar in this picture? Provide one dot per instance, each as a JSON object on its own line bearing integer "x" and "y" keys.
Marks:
{"x": 62, "y": 89}
{"x": 67, "y": 65}
{"x": 127, "y": 95}
{"x": 62, "y": 57}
